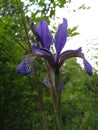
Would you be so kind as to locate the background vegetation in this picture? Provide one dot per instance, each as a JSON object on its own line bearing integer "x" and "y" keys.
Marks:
{"x": 20, "y": 107}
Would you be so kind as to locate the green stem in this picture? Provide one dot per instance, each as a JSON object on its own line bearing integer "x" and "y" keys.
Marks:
{"x": 59, "y": 121}
{"x": 52, "y": 88}
{"x": 58, "y": 89}
{"x": 55, "y": 92}
{"x": 58, "y": 101}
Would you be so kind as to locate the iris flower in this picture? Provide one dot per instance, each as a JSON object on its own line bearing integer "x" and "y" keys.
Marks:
{"x": 43, "y": 49}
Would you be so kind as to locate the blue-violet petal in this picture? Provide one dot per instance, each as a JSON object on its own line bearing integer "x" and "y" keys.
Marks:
{"x": 87, "y": 67}
{"x": 45, "y": 53}
{"x": 43, "y": 34}
{"x": 47, "y": 81}
{"x": 70, "y": 54}
{"x": 26, "y": 66}
{"x": 61, "y": 36}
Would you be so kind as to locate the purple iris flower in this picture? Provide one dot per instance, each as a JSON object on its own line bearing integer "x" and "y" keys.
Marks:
{"x": 42, "y": 49}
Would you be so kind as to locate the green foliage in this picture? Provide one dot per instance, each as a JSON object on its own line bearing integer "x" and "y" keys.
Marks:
{"x": 73, "y": 31}
{"x": 83, "y": 6}
{"x": 78, "y": 99}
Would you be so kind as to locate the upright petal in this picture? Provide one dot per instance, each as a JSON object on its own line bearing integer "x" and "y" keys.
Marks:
{"x": 36, "y": 48}
{"x": 61, "y": 36}
{"x": 87, "y": 67}
{"x": 26, "y": 66}
{"x": 43, "y": 34}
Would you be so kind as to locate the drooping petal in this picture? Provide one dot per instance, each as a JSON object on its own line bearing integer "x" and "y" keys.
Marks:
{"x": 75, "y": 53}
{"x": 69, "y": 54}
{"x": 79, "y": 49}
{"x": 87, "y": 67}
{"x": 26, "y": 66}
{"x": 45, "y": 54}
{"x": 47, "y": 81}
{"x": 43, "y": 34}
{"x": 61, "y": 36}
{"x": 48, "y": 84}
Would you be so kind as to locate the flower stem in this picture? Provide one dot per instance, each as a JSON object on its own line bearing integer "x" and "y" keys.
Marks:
{"x": 58, "y": 101}
{"x": 55, "y": 91}
{"x": 59, "y": 122}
